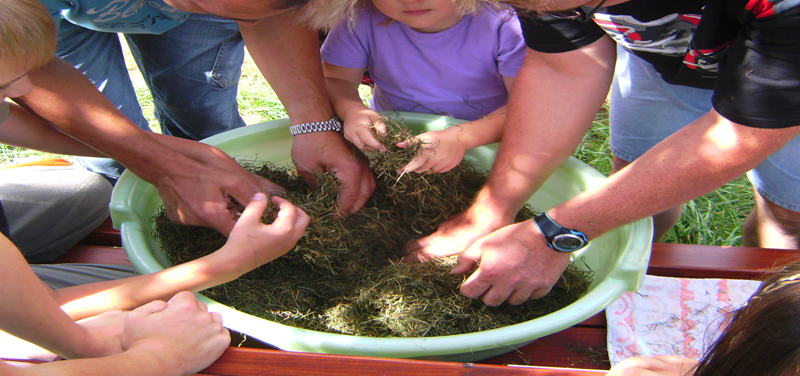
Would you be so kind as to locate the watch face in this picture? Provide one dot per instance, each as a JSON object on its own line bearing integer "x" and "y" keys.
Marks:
{"x": 568, "y": 242}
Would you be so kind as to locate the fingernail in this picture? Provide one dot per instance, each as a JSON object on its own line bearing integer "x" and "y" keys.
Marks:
{"x": 259, "y": 196}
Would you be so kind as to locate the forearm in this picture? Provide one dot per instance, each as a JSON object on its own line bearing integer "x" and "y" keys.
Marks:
{"x": 134, "y": 363}
{"x": 63, "y": 96}
{"x": 543, "y": 128}
{"x": 694, "y": 161}
{"x": 344, "y": 97}
{"x": 483, "y": 131}
{"x": 214, "y": 269}
{"x": 197, "y": 151}
{"x": 29, "y": 312}
{"x": 26, "y": 130}
{"x": 287, "y": 54}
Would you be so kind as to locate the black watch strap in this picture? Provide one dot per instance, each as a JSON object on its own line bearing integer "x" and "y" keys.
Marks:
{"x": 559, "y": 238}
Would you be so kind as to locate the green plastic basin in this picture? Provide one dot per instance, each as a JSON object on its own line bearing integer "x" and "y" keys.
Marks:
{"x": 619, "y": 258}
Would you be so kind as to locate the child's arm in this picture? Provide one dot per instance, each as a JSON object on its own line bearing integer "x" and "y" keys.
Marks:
{"x": 444, "y": 149}
{"x": 358, "y": 119}
{"x": 24, "y": 129}
{"x": 179, "y": 337}
{"x": 250, "y": 245}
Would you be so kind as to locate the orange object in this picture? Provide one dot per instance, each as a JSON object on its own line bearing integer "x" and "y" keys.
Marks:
{"x": 42, "y": 162}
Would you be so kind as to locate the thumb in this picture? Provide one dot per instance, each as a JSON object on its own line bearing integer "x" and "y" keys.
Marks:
{"x": 148, "y": 309}
{"x": 467, "y": 260}
{"x": 255, "y": 208}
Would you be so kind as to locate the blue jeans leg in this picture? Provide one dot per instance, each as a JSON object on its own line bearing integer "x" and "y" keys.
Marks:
{"x": 193, "y": 73}
{"x": 99, "y": 57}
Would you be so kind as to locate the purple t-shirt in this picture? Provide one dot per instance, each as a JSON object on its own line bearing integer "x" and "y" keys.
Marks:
{"x": 457, "y": 72}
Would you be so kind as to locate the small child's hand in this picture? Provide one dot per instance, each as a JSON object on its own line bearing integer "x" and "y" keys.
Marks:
{"x": 255, "y": 243}
{"x": 440, "y": 152}
{"x": 358, "y": 130}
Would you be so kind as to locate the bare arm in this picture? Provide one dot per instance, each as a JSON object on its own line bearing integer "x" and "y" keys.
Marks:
{"x": 515, "y": 261}
{"x": 287, "y": 53}
{"x": 250, "y": 245}
{"x": 444, "y": 149}
{"x": 699, "y": 158}
{"x": 27, "y": 130}
{"x": 552, "y": 104}
{"x": 178, "y": 337}
{"x": 193, "y": 193}
{"x": 358, "y": 119}
{"x": 36, "y": 316}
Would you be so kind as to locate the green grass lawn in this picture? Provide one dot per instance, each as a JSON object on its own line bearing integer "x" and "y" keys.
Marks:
{"x": 714, "y": 219}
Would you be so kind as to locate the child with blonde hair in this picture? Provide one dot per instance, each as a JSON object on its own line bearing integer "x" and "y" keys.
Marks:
{"x": 430, "y": 57}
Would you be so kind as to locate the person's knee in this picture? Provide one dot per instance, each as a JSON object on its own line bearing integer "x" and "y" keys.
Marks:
{"x": 786, "y": 220}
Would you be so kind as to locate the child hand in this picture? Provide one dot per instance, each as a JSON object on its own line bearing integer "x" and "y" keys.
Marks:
{"x": 181, "y": 333}
{"x": 254, "y": 243}
{"x": 440, "y": 152}
{"x": 358, "y": 130}
{"x": 659, "y": 365}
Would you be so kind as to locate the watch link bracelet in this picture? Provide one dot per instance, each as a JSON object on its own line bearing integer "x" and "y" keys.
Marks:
{"x": 559, "y": 238}
{"x": 329, "y": 125}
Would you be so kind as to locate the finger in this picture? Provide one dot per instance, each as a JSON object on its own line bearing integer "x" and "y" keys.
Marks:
{"x": 380, "y": 127}
{"x": 310, "y": 177}
{"x": 495, "y": 296}
{"x": 183, "y": 297}
{"x": 474, "y": 287}
{"x": 416, "y": 245}
{"x": 352, "y": 195}
{"x": 369, "y": 142}
{"x": 301, "y": 218}
{"x": 520, "y": 295}
{"x": 540, "y": 292}
{"x": 366, "y": 188}
{"x": 216, "y": 317}
{"x": 255, "y": 208}
{"x": 414, "y": 165}
{"x": 270, "y": 187}
{"x": 150, "y": 308}
{"x": 287, "y": 212}
{"x": 467, "y": 260}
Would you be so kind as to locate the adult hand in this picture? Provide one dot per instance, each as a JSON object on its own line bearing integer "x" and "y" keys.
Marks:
{"x": 515, "y": 265}
{"x": 318, "y": 152}
{"x": 358, "y": 129}
{"x": 105, "y": 330}
{"x": 659, "y": 365}
{"x": 181, "y": 333}
{"x": 453, "y": 236}
{"x": 439, "y": 151}
{"x": 253, "y": 243}
{"x": 220, "y": 159}
{"x": 202, "y": 196}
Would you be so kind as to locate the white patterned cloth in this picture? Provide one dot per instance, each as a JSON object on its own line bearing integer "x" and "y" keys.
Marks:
{"x": 672, "y": 316}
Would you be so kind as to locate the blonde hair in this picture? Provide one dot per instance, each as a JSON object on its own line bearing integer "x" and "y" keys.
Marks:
{"x": 325, "y": 14}
{"x": 27, "y": 35}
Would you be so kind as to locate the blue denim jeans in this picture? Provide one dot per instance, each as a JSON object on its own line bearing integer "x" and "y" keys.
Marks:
{"x": 192, "y": 72}
{"x": 645, "y": 109}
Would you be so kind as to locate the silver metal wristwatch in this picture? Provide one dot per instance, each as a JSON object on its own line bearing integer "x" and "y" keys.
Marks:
{"x": 329, "y": 125}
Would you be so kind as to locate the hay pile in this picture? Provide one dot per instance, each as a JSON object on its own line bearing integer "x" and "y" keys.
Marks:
{"x": 344, "y": 275}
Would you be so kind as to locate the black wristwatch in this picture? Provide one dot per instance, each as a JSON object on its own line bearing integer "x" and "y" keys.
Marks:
{"x": 559, "y": 238}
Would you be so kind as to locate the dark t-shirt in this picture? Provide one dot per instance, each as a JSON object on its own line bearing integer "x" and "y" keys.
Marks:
{"x": 747, "y": 51}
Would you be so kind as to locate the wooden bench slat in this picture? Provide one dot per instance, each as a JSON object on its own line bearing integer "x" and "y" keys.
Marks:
{"x": 247, "y": 362}
{"x": 105, "y": 234}
{"x": 705, "y": 261}
{"x": 88, "y": 254}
